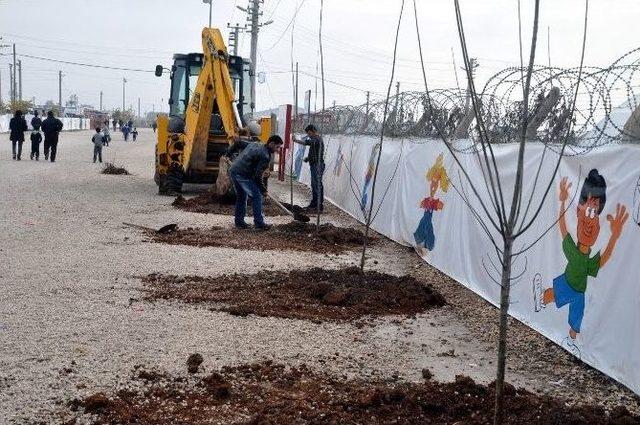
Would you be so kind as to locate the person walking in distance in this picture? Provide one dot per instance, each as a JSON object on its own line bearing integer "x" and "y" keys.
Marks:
{"x": 107, "y": 133}
{"x": 134, "y": 133}
{"x": 36, "y": 121}
{"x": 17, "y": 125}
{"x": 316, "y": 166}
{"x": 246, "y": 173}
{"x": 98, "y": 141}
{"x": 36, "y": 138}
{"x": 51, "y": 127}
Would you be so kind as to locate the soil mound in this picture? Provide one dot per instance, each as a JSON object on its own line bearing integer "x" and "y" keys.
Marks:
{"x": 211, "y": 203}
{"x": 291, "y": 236}
{"x": 111, "y": 168}
{"x": 193, "y": 362}
{"x": 315, "y": 294}
{"x": 273, "y": 394}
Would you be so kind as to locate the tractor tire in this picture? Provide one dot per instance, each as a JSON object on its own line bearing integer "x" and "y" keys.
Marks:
{"x": 171, "y": 183}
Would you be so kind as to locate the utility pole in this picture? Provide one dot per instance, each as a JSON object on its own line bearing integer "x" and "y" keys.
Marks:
{"x": 234, "y": 37}
{"x": 60, "y": 92}
{"x": 124, "y": 92}
{"x": 20, "y": 80}
{"x": 13, "y": 79}
{"x": 101, "y": 94}
{"x": 11, "y": 83}
{"x": 210, "y": 2}
{"x": 139, "y": 108}
{"x": 473, "y": 62}
{"x": 253, "y": 12}
{"x": 366, "y": 111}
{"x": 296, "y": 93}
{"x": 2, "y": 46}
{"x": 455, "y": 69}
{"x": 367, "y": 107}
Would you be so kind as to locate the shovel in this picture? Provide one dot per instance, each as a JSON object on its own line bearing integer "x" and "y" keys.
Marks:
{"x": 169, "y": 228}
{"x": 293, "y": 212}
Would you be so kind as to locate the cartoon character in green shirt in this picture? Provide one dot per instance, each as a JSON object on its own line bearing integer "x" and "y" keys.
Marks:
{"x": 570, "y": 287}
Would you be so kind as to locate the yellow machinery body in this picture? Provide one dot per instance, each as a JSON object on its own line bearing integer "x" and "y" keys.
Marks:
{"x": 205, "y": 118}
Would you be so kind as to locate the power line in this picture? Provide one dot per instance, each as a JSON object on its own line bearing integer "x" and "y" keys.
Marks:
{"x": 84, "y": 64}
{"x": 295, "y": 14}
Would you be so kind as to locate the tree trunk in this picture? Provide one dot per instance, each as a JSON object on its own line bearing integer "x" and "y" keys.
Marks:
{"x": 502, "y": 341}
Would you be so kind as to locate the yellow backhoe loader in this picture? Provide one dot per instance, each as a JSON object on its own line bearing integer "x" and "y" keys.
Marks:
{"x": 210, "y": 94}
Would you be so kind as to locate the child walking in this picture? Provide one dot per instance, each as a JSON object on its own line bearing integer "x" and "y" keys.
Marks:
{"x": 36, "y": 138}
{"x": 98, "y": 140}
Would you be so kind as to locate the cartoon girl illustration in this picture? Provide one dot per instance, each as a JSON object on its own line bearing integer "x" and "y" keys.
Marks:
{"x": 424, "y": 236}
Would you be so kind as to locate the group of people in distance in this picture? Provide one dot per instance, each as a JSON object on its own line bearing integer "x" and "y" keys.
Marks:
{"x": 127, "y": 129}
{"x": 51, "y": 127}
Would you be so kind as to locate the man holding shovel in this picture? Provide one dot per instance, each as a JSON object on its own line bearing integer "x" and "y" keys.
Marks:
{"x": 246, "y": 173}
{"x": 316, "y": 166}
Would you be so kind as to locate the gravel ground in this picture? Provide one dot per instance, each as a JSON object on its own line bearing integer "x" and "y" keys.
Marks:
{"x": 72, "y": 322}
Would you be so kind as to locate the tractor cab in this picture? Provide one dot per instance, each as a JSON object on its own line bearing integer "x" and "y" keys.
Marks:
{"x": 184, "y": 77}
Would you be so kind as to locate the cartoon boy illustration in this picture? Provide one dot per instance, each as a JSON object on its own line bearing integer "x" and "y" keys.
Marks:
{"x": 570, "y": 287}
{"x": 424, "y": 236}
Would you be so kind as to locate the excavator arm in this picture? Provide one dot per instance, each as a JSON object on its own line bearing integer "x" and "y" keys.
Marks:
{"x": 204, "y": 118}
{"x": 211, "y": 114}
{"x": 193, "y": 145}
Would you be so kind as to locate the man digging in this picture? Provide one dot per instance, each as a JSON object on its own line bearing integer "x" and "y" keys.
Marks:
{"x": 246, "y": 174}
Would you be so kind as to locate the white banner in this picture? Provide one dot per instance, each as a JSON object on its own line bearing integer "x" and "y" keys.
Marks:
{"x": 586, "y": 277}
{"x": 69, "y": 123}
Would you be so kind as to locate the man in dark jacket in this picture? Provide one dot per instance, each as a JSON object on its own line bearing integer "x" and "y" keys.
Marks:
{"x": 36, "y": 121}
{"x": 246, "y": 173}
{"x": 17, "y": 125}
{"x": 51, "y": 126}
{"x": 316, "y": 166}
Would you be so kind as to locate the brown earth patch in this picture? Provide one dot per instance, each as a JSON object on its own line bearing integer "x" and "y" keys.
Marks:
{"x": 314, "y": 294}
{"x": 111, "y": 168}
{"x": 291, "y": 236}
{"x": 274, "y": 394}
{"x": 211, "y": 203}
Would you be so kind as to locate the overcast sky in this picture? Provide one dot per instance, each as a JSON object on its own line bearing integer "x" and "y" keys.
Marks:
{"x": 358, "y": 43}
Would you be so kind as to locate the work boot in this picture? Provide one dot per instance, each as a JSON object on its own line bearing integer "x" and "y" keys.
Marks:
{"x": 242, "y": 226}
{"x": 264, "y": 226}
{"x": 14, "y": 156}
{"x": 31, "y": 156}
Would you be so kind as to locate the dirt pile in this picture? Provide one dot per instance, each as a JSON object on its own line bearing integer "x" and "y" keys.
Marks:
{"x": 274, "y": 394}
{"x": 193, "y": 362}
{"x": 291, "y": 236}
{"x": 315, "y": 294}
{"x": 111, "y": 168}
{"x": 211, "y": 203}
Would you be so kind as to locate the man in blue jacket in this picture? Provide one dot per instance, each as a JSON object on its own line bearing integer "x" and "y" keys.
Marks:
{"x": 246, "y": 173}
